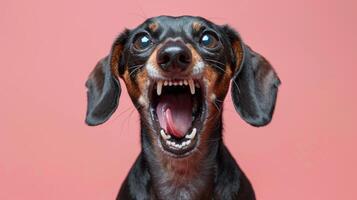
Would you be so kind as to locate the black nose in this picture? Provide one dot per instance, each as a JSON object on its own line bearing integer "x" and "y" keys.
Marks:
{"x": 174, "y": 56}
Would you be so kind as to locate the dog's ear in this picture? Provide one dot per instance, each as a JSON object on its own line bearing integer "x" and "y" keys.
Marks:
{"x": 103, "y": 84}
{"x": 254, "y": 83}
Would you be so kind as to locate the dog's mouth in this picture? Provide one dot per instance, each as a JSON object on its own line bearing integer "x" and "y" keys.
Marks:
{"x": 178, "y": 109}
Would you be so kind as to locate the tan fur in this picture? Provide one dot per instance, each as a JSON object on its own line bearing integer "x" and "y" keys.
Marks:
{"x": 237, "y": 48}
{"x": 115, "y": 60}
{"x": 196, "y": 26}
{"x": 153, "y": 26}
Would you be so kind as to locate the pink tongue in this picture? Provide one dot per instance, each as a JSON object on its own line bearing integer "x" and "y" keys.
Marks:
{"x": 175, "y": 113}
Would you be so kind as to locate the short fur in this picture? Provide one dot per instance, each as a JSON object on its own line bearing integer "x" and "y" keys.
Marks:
{"x": 209, "y": 172}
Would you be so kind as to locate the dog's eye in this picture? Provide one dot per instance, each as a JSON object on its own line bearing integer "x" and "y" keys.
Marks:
{"x": 209, "y": 41}
{"x": 142, "y": 42}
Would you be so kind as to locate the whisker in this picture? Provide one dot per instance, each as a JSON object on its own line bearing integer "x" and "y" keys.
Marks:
{"x": 236, "y": 84}
{"x": 213, "y": 117}
{"x": 121, "y": 113}
{"x": 215, "y": 104}
{"x": 219, "y": 100}
{"x": 136, "y": 69}
{"x": 135, "y": 66}
{"x": 126, "y": 120}
{"x": 216, "y": 66}
{"x": 215, "y": 61}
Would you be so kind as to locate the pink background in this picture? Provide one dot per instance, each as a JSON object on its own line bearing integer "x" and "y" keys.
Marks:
{"x": 48, "y": 49}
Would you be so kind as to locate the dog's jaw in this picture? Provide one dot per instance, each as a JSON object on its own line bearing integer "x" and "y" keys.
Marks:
{"x": 157, "y": 86}
{"x": 178, "y": 140}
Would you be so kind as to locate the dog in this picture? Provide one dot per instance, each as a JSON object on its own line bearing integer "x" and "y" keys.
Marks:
{"x": 177, "y": 71}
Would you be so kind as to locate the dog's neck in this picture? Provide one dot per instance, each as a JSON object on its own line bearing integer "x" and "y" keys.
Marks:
{"x": 184, "y": 178}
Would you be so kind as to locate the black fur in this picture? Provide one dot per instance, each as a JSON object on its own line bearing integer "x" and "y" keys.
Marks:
{"x": 254, "y": 91}
{"x": 103, "y": 93}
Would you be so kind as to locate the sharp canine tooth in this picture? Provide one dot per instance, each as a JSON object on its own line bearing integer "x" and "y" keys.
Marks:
{"x": 192, "y": 86}
{"x": 192, "y": 134}
{"x": 163, "y": 135}
{"x": 159, "y": 87}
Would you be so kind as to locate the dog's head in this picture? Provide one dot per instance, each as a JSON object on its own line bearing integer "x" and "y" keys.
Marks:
{"x": 177, "y": 71}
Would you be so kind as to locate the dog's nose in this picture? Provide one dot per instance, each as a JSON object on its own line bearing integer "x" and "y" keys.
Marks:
{"x": 174, "y": 56}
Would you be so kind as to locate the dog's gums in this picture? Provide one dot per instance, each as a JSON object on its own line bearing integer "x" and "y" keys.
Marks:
{"x": 178, "y": 110}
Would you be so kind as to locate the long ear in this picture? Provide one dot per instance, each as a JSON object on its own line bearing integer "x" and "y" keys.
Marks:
{"x": 254, "y": 84}
{"x": 103, "y": 85}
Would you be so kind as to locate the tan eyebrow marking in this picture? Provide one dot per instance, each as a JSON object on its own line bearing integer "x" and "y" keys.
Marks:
{"x": 153, "y": 26}
{"x": 196, "y": 26}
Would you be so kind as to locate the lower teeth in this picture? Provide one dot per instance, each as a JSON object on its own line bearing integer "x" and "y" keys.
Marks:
{"x": 188, "y": 138}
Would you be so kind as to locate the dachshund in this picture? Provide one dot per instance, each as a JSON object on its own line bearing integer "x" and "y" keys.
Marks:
{"x": 177, "y": 71}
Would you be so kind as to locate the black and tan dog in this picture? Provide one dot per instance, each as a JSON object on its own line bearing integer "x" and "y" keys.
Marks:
{"x": 177, "y": 71}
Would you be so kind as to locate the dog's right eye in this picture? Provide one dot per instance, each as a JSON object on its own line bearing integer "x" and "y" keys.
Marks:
{"x": 142, "y": 42}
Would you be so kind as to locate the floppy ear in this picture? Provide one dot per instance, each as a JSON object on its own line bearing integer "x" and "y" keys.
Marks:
{"x": 254, "y": 84}
{"x": 103, "y": 85}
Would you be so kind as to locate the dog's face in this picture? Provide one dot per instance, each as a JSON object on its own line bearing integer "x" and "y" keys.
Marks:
{"x": 177, "y": 71}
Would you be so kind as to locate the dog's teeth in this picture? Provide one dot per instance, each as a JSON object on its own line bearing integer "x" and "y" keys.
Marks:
{"x": 159, "y": 87}
{"x": 185, "y": 82}
{"x": 181, "y": 83}
{"x": 197, "y": 85}
{"x": 175, "y": 83}
{"x": 163, "y": 135}
{"x": 165, "y": 83}
{"x": 170, "y": 83}
{"x": 192, "y": 86}
{"x": 192, "y": 134}
{"x": 188, "y": 142}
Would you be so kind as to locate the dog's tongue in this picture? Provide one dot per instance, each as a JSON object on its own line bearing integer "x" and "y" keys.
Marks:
{"x": 175, "y": 113}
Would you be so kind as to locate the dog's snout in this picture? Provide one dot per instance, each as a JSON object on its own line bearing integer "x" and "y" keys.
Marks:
{"x": 174, "y": 56}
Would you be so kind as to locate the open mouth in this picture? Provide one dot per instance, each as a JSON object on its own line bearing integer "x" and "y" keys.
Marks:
{"x": 177, "y": 108}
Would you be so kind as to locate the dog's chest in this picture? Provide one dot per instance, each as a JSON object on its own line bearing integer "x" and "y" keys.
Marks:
{"x": 189, "y": 191}
{"x": 183, "y": 186}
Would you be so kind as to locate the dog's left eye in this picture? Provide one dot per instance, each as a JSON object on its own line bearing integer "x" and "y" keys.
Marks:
{"x": 209, "y": 41}
{"x": 142, "y": 42}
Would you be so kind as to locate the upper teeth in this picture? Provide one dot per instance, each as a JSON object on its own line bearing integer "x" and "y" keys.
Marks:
{"x": 189, "y": 82}
{"x": 159, "y": 87}
{"x": 184, "y": 143}
{"x": 192, "y": 86}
